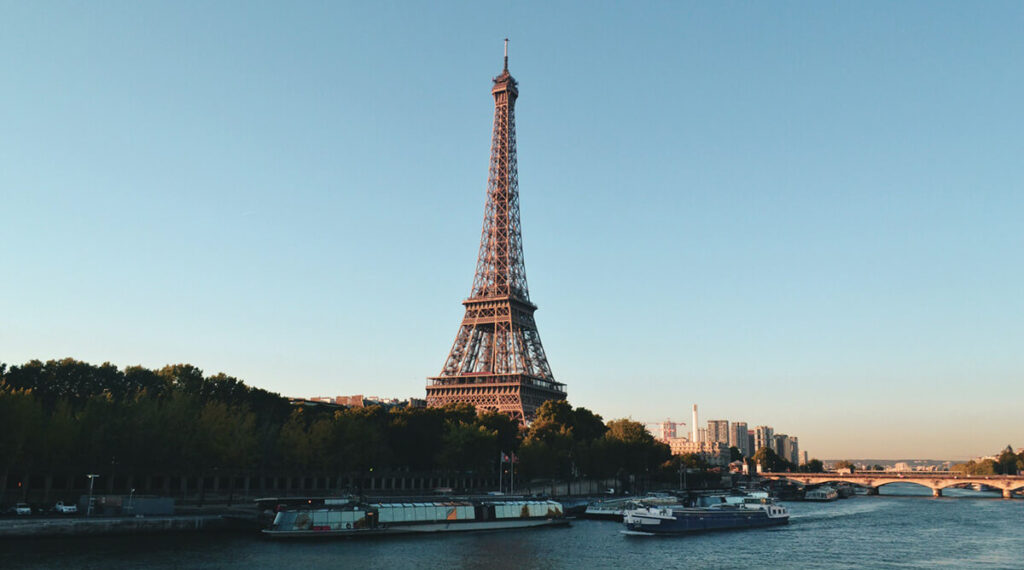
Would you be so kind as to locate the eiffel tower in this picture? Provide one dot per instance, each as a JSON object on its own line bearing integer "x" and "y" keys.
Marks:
{"x": 497, "y": 361}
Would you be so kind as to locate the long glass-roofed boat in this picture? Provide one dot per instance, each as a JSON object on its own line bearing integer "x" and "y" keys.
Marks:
{"x": 346, "y": 517}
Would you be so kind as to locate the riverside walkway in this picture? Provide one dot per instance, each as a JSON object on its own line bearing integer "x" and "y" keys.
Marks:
{"x": 934, "y": 480}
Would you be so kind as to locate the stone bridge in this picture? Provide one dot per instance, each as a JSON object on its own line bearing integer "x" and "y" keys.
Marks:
{"x": 934, "y": 480}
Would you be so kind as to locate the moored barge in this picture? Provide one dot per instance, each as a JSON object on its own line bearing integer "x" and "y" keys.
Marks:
{"x": 341, "y": 517}
{"x": 747, "y": 512}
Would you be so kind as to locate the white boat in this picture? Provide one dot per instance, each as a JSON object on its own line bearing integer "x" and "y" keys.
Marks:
{"x": 607, "y": 509}
{"x": 343, "y": 517}
{"x": 823, "y": 493}
{"x": 613, "y": 509}
{"x": 726, "y": 514}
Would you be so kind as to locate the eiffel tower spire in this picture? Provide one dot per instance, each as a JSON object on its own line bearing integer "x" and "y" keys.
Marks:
{"x": 497, "y": 361}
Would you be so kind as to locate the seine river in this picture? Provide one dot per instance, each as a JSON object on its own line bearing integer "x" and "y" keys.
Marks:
{"x": 970, "y": 531}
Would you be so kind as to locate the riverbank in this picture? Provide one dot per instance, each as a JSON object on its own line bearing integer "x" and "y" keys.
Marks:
{"x": 46, "y": 527}
{"x": 902, "y": 532}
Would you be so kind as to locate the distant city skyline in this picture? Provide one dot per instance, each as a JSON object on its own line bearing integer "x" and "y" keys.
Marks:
{"x": 797, "y": 215}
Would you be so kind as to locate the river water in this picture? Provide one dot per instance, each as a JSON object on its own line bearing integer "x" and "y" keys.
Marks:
{"x": 895, "y": 530}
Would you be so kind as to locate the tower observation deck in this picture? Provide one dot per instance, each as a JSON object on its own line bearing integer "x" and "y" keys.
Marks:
{"x": 497, "y": 361}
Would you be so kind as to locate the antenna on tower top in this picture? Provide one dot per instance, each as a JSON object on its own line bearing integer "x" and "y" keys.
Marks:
{"x": 506, "y": 54}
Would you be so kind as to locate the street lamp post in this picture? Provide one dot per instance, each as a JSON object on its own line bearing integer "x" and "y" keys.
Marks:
{"x": 92, "y": 479}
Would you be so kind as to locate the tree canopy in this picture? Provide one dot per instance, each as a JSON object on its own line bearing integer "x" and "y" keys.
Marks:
{"x": 845, "y": 464}
{"x": 71, "y": 417}
{"x": 1006, "y": 463}
{"x": 771, "y": 461}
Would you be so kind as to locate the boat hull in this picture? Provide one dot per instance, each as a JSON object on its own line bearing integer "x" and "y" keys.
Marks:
{"x": 688, "y": 521}
{"x": 346, "y": 518}
{"x": 427, "y": 528}
{"x": 604, "y": 514}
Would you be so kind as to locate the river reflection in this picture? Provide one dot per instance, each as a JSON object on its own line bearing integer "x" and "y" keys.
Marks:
{"x": 875, "y": 532}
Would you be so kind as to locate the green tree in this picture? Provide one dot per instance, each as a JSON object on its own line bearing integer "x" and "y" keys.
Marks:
{"x": 628, "y": 431}
{"x": 104, "y": 433}
{"x": 564, "y": 442}
{"x": 226, "y": 436}
{"x": 60, "y": 436}
{"x": 144, "y": 380}
{"x": 587, "y": 426}
{"x": 507, "y": 433}
{"x": 547, "y": 452}
{"x": 362, "y": 437}
{"x": 985, "y": 467}
{"x": 21, "y": 417}
{"x": 323, "y": 444}
{"x": 845, "y": 464}
{"x": 813, "y": 466}
{"x": 735, "y": 454}
{"x": 152, "y": 446}
{"x": 554, "y": 411}
{"x": 690, "y": 461}
{"x": 629, "y": 448}
{"x": 294, "y": 442}
{"x": 184, "y": 377}
{"x": 771, "y": 461}
{"x": 224, "y": 440}
{"x": 178, "y": 418}
{"x": 1008, "y": 462}
{"x": 766, "y": 458}
{"x": 467, "y": 447}
{"x": 415, "y": 436}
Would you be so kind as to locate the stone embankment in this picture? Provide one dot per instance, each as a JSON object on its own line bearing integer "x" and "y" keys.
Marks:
{"x": 39, "y": 527}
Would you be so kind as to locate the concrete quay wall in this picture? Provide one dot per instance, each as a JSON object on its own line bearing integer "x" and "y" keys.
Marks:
{"x": 93, "y": 526}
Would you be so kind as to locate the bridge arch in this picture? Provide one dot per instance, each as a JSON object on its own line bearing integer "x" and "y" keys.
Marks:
{"x": 915, "y": 483}
{"x": 936, "y": 481}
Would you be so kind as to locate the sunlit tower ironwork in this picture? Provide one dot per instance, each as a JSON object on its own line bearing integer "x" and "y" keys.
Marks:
{"x": 497, "y": 361}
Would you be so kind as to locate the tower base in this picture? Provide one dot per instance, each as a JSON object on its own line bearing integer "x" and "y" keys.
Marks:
{"x": 517, "y": 395}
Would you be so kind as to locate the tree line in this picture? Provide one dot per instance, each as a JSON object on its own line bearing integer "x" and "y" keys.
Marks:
{"x": 1006, "y": 463}
{"x": 771, "y": 461}
{"x": 67, "y": 417}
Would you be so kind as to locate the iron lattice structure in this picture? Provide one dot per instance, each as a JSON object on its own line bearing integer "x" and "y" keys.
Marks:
{"x": 497, "y": 361}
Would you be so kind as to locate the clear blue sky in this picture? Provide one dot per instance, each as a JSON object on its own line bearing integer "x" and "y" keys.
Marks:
{"x": 806, "y": 215}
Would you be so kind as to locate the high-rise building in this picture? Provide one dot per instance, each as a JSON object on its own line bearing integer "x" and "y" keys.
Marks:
{"x": 497, "y": 361}
{"x": 694, "y": 433}
{"x": 794, "y": 450}
{"x": 779, "y": 444}
{"x": 738, "y": 438}
{"x": 667, "y": 430}
{"x": 702, "y": 435}
{"x": 786, "y": 447}
{"x": 751, "y": 443}
{"x": 763, "y": 437}
{"x": 718, "y": 431}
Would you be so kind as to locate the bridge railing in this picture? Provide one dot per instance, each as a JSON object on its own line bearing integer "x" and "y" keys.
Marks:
{"x": 899, "y": 474}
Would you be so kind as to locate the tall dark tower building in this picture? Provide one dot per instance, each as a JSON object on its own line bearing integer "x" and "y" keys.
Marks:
{"x": 497, "y": 361}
